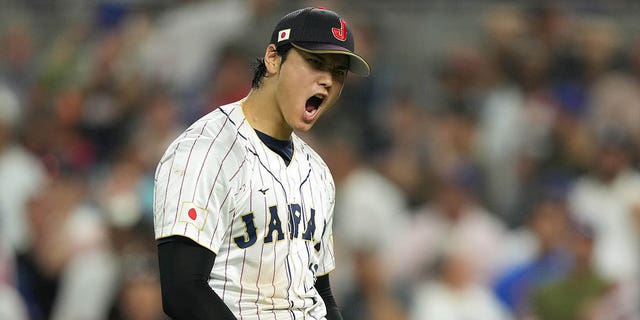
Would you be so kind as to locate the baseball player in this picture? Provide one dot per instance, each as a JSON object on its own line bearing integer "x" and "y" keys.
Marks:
{"x": 243, "y": 208}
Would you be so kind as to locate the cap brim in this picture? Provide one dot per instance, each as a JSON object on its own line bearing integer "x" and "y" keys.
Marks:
{"x": 357, "y": 64}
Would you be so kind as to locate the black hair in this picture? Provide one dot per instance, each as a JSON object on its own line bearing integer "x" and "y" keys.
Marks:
{"x": 260, "y": 69}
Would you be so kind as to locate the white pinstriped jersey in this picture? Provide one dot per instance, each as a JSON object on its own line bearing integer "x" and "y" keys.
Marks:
{"x": 269, "y": 224}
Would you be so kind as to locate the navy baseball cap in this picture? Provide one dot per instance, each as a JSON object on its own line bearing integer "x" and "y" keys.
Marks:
{"x": 319, "y": 31}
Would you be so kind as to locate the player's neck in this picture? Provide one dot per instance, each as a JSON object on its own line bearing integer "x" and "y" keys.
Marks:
{"x": 263, "y": 114}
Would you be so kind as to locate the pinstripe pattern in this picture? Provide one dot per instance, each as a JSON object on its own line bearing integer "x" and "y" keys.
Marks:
{"x": 220, "y": 166}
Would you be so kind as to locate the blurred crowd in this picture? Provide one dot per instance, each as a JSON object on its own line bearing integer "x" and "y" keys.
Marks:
{"x": 502, "y": 181}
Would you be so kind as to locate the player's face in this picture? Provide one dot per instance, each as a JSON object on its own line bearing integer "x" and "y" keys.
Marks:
{"x": 309, "y": 85}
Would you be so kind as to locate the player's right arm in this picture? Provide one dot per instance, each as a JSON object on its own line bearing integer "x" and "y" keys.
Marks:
{"x": 184, "y": 272}
{"x": 191, "y": 217}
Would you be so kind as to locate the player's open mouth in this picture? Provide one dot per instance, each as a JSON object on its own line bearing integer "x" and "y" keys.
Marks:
{"x": 313, "y": 104}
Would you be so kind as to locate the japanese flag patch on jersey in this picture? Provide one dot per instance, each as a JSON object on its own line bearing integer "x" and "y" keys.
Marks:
{"x": 191, "y": 213}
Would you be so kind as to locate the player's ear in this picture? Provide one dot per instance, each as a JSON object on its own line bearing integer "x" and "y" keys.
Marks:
{"x": 272, "y": 60}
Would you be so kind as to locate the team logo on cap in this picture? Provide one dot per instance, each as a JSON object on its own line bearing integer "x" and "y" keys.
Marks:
{"x": 283, "y": 34}
{"x": 340, "y": 34}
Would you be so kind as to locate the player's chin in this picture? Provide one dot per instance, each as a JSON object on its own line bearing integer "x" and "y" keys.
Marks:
{"x": 304, "y": 126}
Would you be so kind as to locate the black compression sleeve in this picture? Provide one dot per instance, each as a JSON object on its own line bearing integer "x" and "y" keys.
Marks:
{"x": 324, "y": 289}
{"x": 184, "y": 272}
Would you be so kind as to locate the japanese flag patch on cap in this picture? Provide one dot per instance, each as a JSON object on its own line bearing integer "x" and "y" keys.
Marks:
{"x": 283, "y": 34}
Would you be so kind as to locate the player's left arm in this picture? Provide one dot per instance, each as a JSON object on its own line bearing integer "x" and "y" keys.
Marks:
{"x": 327, "y": 263}
{"x": 324, "y": 289}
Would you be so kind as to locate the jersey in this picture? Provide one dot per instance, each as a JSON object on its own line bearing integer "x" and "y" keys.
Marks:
{"x": 269, "y": 224}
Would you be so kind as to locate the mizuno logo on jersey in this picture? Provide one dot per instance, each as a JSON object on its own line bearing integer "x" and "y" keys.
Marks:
{"x": 275, "y": 229}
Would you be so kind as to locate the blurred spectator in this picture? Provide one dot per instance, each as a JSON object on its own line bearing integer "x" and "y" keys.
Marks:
{"x": 186, "y": 39}
{"x": 139, "y": 294}
{"x": 159, "y": 123}
{"x": 401, "y": 154}
{"x": 454, "y": 294}
{"x": 118, "y": 193}
{"x": 140, "y": 299}
{"x": 374, "y": 295}
{"x": 608, "y": 199}
{"x": 12, "y": 305}
{"x": 500, "y": 141}
{"x": 17, "y": 63}
{"x": 231, "y": 79}
{"x": 615, "y": 102}
{"x": 21, "y": 174}
{"x": 63, "y": 62}
{"x": 579, "y": 293}
{"x": 454, "y": 219}
{"x": 69, "y": 271}
{"x": 370, "y": 213}
{"x": 542, "y": 242}
{"x": 597, "y": 43}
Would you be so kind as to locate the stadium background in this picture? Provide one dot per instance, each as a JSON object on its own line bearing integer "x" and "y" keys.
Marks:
{"x": 490, "y": 160}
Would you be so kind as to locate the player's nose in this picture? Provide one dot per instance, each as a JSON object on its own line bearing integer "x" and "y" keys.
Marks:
{"x": 325, "y": 79}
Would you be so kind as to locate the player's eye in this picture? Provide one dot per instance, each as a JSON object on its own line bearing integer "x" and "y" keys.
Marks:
{"x": 315, "y": 62}
{"x": 341, "y": 72}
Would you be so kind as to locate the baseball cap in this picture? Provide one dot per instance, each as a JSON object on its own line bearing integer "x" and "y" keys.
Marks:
{"x": 319, "y": 31}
